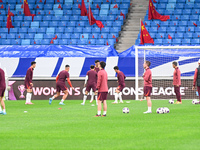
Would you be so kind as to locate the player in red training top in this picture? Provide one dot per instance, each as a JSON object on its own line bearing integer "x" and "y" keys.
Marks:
{"x": 196, "y": 80}
{"x": 91, "y": 81}
{"x": 102, "y": 89}
{"x": 60, "y": 85}
{"x": 2, "y": 90}
{"x": 28, "y": 83}
{"x": 147, "y": 76}
{"x": 121, "y": 77}
{"x": 97, "y": 66}
{"x": 177, "y": 82}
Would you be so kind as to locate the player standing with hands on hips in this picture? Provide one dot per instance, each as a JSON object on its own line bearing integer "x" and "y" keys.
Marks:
{"x": 102, "y": 89}
{"x": 60, "y": 85}
{"x": 147, "y": 76}
{"x": 197, "y": 79}
{"x": 28, "y": 83}
{"x": 177, "y": 82}
{"x": 2, "y": 90}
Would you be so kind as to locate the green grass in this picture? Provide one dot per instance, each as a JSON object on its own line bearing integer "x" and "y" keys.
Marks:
{"x": 45, "y": 127}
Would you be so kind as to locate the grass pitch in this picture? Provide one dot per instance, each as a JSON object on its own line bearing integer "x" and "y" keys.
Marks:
{"x": 45, "y": 127}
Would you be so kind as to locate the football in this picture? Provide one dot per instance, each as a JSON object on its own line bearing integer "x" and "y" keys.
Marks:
{"x": 195, "y": 101}
{"x": 165, "y": 110}
{"x": 159, "y": 111}
{"x": 125, "y": 110}
{"x": 171, "y": 101}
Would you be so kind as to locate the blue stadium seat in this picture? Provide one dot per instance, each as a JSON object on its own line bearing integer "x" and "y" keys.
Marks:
{"x": 67, "y": 6}
{"x": 28, "y": 18}
{"x": 41, "y": 30}
{"x": 158, "y": 42}
{"x": 71, "y": 23}
{"x": 179, "y": 6}
{"x": 66, "y": 36}
{"x": 185, "y": 41}
{"x": 35, "y": 42}
{"x": 196, "y": 11}
{"x": 108, "y": 23}
{"x": 171, "y": 29}
{"x": 74, "y": 18}
{"x": 185, "y": 17}
{"x": 91, "y": 42}
{"x": 23, "y": 30}
{"x": 35, "y": 24}
{"x": 187, "y": 11}
{"x": 167, "y": 42}
{"x": 103, "y": 36}
{"x": 173, "y": 23}
{"x": 110, "y": 42}
{"x": 100, "y": 42}
{"x": 78, "y": 30}
{"x": 73, "y": 42}
{"x": 48, "y": 36}
{"x": 65, "y": 18}
{"x": 171, "y": 1}
{"x": 14, "y": 30}
{"x": 170, "y": 6}
{"x": 26, "y": 42}
{"x": 179, "y": 35}
{"x": 147, "y": 23}
{"x": 88, "y": 29}
{"x": 38, "y": 18}
{"x": 60, "y": 30}
{"x": 110, "y": 36}
{"x": 180, "y": 29}
{"x": 160, "y": 36}
{"x": 39, "y": 7}
{"x": 175, "y": 17}
{"x": 93, "y": 36}
{"x": 47, "y": 18}
{"x": 25, "y": 24}
{"x": 190, "y": 29}
{"x": 197, "y": 6}
{"x": 178, "y": 12}
{"x": 63, "y": 23}
{"x": 44, "y": 24}
{"x": 183, "y": 23}
{"x": 38, "y": 36}
{"x": 80, "y": 23}
{"x": 63, "y": 42}
{"x": 189, "y": 6}
{"x": 117, "y": 24}
{"x": 194, "y": 17}
{"x": 164, "y": 24}
{"x": 188, "y": 36}
{"x": 69, "y": 30}
{"x": 15, "y": 41}
{"x": 194, "y": 41}
{"x": 6, "y": 41}
{"x": 53, "y": 24}
{"x": 196, "y": 35}
{"x": 29, "y": 36}
{"x": 32, "y": 30}
{"x": 176, "y": 41}
{"x": 50, "y": 2}
{"x": 113, "y": 12}
{"x": 50, "y": 31}
{"x": 105, "y": 30}
{"x": 10, "y": 36}
{"x": 169, "y": 12}
{"x": 45, "y": 42}
{"x": 19, "y": 36}
{"x": 96, "y": 30}
{"x": 3, "y": 35}
{"x": 161, "y": 29}
{"x": 105, "y": 7}
{"x": 58, "y": 12}
{"x": 18, "y": 18}
{"x": 83, "y": 42}
{"x": 115, "y": 29}
{"x": 49, "y": 12}
{"x": 59, "y": 1}
{"x": 57, "y": 6}
{"x": 40, "y": 1}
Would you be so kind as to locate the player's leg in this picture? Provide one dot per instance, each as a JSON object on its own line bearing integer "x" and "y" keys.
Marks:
{"x": 94, "y": 94}
{"x": 92, "y": 97}
{"x": 147, "y": 93}
{"x": 84, "y": 98}
{"x": 55, "y": 96}
{"x": 64, "y": 97}
{"x": 116, "y": 94}
{"x": 3, "y": 106}
{"x": 178, "y": 95}
{"x": 98, "y": 109}
{"x": 104, "y": 108}
{"x": 28, "y": 96}
{"x": 198, "y": 89}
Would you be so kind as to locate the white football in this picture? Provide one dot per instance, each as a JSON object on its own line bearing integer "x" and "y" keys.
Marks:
{"x": 171, "y": 101}
{"x": 165, "y": 110}
{"x": 125, "y": 110}
{"x": 195, "y": 101}
{"x": 159, "y": 111}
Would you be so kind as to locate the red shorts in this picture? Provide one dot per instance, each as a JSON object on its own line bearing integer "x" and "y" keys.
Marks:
{"x": 147, "y": 91}
{"x": 60, "y": 86}
{"x": 2, "y": 91}
{"x": 102, "y": 96}
{"x": 121, "y": 87}
{"x": 28, "y": 85}
{"x": 91, "y": 86}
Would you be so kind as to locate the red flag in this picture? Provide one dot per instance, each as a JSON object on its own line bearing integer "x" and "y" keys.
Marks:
{"x": 169, "y": 37}
{"x": 107, "y": 43}
{"x": 1, "y": 1}
{"x": 113, "y": 36}
{"x": 153, "y": 14}
{"x": 158, "y": 26}
{"x": 121, "y": 14}
{"x": 49, "y": 12}
{"x": 19, "y": 37}
{"x": 82, "y": 36}
{"x": 198, "y": 35}
{"x": 59, "y": 6}
{"x": 195, "y": 24}
{"x": 107, "y": 0}
{"x": 83, "y": 9}
{"x": 55, "y": 37}
{"x": 51, "y": 41}
{"x": 145, "y": 24}
{"x": 89, "y": 42}
{"x": 116, "y": 39}
{"x": 116, "y": 6}
{"x": 27, "y": 10}
{"x": 37, "y": 6}
{"x": 34, "y": 42}
{"x": 2, "y": 6}
{"x": 58, "y": 1}
{"x": 79, "y": 6}
{"x": 40, "y": 1}
{"x": 145, "y": 36}
{"x": 117, "y": 18}
{"x": 92, "y": 20}
{"x": 22, "y": 6}
{"x": 9, "y": 21}
{"x": 38, "y": 13}
{"x": 98, "y": 7}
{"x": 101, "y": 36}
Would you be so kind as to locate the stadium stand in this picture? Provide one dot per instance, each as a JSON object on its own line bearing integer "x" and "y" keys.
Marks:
{"x": 62, "y": 18}
{"x": 183, "y": 25}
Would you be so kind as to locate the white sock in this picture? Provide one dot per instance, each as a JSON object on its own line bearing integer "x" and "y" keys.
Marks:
{"x": 27, "y": 97}
{"x": 104, "y": 112}
{"x": 4, "y": 110}
{"x": 84, "y": 98}
{"x": 30, "y": 95}
{"x": 53, "y": 98}
{"x": 92, "y": 97}
{"x": 120, "y": 97}
{"x": 0, "y": 108}
{"x": 96, "y": 99}
{"x": 116, "y": 97}
{"x": 62, "y": 100}
{"x": 98, "y": 112}
{"x": 149, "y": 109}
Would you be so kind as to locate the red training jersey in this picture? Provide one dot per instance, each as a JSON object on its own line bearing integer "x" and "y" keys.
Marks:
{"x": 147, "y": 77}
{"x": 177, "y": 77}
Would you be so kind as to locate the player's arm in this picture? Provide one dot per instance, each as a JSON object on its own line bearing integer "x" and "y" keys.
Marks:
{"x": 146, "y": 76}
{"x": 99, "y": 81}
{"x": 57, "y": 78}
{"x": 86, "y": 78}
{"x": 28, "y": 76}
{"x": 195, "y": 79}
{"x": 179, "y": 75}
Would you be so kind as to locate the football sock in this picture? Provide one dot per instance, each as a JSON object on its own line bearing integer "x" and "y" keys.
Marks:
{"x": 84, "y": 98}
{"x": 53, "y": 98}
{"x": 149, "y": 109}
{"x": 120, "y": 97}
{"x": 92, "y": 97}
{"x": 96, "y": 99}
{"x": 0, "y": 108}
{"x": 104, "y": 112}
{"x": 99, "y": 113}
{"x": 27, "y": 97}
{"x": 4, "y": 110}
{"x": 30, "y": 95}
{"x": 62, "y": 100}
{"x": 116, "y": 97}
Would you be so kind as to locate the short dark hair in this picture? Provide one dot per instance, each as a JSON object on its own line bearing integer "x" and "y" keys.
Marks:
{"x": 67, "y": 66}
{"x": 175, "y": 63}
{"x": 92, "y": 66}
{"x": 102, "y": 64}
{"x": 148, "y": 63}
{"x": 33, "y": 62}
{"x": 96, "y": 61}
{"x": 116, "y": 68}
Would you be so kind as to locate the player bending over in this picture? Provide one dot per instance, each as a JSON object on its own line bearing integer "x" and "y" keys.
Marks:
{"x": 60, "y": 85}
{"x": 197, "y": 79}
{"x": 91, "y": 81}
{"x": 147, "y": 76}
{"x": 28, "y": 83}
{"x": 2, "y": 90}
{"x": 177, "y": 82}
{"x": 102, "y": 89}
{"x": 121, "y": 77}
